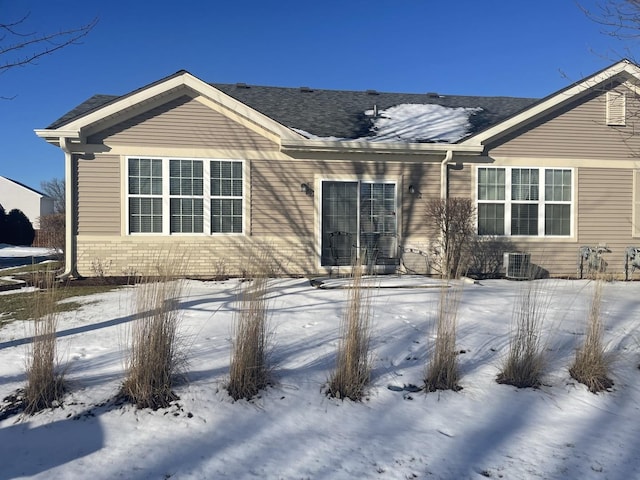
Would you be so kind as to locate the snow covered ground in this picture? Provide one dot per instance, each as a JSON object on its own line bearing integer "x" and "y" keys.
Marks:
{"x": 13, "y": 256}
{"x": 293, "y": 431}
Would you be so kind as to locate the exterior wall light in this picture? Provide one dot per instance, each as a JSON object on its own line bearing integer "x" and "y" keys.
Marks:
{"x": 306, "y": 189}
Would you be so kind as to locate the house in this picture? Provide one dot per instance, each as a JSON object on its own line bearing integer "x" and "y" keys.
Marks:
{"x": 223, "y": 172}
{"x": 34, "y": 204}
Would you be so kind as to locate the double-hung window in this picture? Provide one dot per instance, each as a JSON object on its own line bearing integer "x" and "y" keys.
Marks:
{"x": 524, "y": 201}
{"x": 145, "y": 195}
{"x": 185, "y": 196}
{"x": 226, "y": 197}
{"x": 186, "y": 192}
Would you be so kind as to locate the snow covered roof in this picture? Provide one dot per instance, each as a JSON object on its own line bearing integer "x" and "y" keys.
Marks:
{"x": 356, "y": 115}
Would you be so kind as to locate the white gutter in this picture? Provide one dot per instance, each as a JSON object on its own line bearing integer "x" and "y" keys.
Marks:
{"x": 444, "y": 174}
{"x": 361, "y": 146}
{"x": 70, "y": 268}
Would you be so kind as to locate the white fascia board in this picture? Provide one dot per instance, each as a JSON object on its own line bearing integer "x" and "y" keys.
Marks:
{"x": 46, "y": 133}
{"x": 562, "y": 96}
{"x": 305, "y": 145}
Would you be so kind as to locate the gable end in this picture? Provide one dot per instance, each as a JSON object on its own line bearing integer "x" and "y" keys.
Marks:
{"x": 182, "y": 122}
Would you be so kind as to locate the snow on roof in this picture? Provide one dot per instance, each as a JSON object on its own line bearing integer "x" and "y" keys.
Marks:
{"x": 422, "y": 123}
{"x": 411, "y": 122}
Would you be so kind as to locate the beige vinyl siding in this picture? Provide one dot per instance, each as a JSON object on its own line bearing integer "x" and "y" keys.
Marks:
{"x": 578, "y": 130}
{"x": 183, "y": 122}
{"x": 460, "y": 184}
{"x": 279, "y": 207}
{"x": 605, "y": 206}
{"x": 555, "y": 259}
{"x": 636, "y": 204}
{"x": 99, "y": 195}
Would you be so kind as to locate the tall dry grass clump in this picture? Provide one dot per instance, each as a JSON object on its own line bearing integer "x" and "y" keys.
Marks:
{"x": 250, "y": 371}
{"x": 155, "y": 356}
{"x": 525, "y": 362}
{"x": 353, "y": 364}
{"x": 442, "y": 371}
{"x": 592, "y": 363}
{"x": 45, "y": 383}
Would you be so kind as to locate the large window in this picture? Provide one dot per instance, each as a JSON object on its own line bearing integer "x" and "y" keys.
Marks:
{"x": 524, "y": 201}
{"x": 191, "y": 189}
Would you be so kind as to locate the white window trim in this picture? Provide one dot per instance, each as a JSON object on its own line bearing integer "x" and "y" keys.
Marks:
{"x": 166, "y": 197}
{"x": 541, "y": 202}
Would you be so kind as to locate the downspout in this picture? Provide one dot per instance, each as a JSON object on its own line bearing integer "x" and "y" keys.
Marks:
{"x": 444, "y": 175}
{"x": 70, "y": 268}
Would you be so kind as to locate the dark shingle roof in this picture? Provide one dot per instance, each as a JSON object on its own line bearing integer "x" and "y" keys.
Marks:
{"x": 341, "y": 113}
{"x": 336, "y": 113}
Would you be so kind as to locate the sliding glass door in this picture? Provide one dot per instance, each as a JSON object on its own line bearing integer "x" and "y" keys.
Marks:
{"x": 358, "y": 221}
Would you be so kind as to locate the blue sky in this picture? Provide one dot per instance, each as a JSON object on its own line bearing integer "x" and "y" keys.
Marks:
{"x": 463, "y": 47}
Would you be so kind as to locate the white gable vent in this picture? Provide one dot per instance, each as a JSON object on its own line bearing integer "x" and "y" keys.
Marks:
{"x": 616, "y": 108}
{"x": 517, "y": 265}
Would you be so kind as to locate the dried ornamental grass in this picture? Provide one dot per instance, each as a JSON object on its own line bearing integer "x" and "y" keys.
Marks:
{"x": 353, "y": 365}
{"x": 442, "y": 371}
{"x": 592, "y": 363}
{"x": 250, "y": 371}
{"x": 155, "y": 357}
{"x": 525, "y": 362}
{"x": 45, "y": 384}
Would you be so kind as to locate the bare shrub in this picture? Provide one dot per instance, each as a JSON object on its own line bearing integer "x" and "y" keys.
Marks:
{"x": 52, "y": 233}
{"x": 155, "y": 358}
{"x": 100, "y": 267}
{"x": 45, "y": 384}
{"x": 250, "y": 371}
{"x": 525, "y": 362}
{"x": 592, "y": 363}
{"x": 353, "y": 365}
{"x": 486, "y": 256}
{"x": 442, "y": 371}
{"x": 453, "y": 219}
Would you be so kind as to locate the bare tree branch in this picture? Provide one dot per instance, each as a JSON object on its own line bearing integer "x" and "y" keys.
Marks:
{"x": 55, "y": 188}
{"x": 18, "y": 49}
{"x": 619, "y": 18}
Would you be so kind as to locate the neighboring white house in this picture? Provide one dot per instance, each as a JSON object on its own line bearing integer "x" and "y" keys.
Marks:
{"x": 32, "y": 203}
